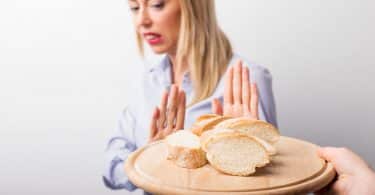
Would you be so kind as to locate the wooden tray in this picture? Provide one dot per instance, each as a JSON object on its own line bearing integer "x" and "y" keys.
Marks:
{"x": 295, "y": 169}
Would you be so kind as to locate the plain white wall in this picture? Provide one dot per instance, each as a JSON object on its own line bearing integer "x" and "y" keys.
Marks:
{"x": 66, "y": 69}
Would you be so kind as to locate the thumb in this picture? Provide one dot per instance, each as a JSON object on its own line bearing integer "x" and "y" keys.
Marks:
{"x": 216, "y": 107}
{"x": 343, "y": 160}
{"x": 329, "y": 154}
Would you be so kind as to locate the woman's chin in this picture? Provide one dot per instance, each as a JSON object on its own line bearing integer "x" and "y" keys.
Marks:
{"x": 158, "y": 51}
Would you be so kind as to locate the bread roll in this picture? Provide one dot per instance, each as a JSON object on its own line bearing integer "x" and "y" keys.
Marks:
{"x": 184, "y": 149}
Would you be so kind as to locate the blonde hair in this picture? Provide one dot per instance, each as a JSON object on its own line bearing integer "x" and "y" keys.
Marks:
{"x": 201, "y": 44}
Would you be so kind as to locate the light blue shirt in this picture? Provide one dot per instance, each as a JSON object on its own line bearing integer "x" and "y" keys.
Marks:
{"x": 132, "y": 130}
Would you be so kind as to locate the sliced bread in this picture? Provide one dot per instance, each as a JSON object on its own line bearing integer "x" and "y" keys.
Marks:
{"x": 271, "y": 150}
{"x": 235, "y": 153}
{"x": 205, "y": 117}
{"x": 258, "y": 128}
{"x": 207, "y": 122}
{"x": 185, "y": 150}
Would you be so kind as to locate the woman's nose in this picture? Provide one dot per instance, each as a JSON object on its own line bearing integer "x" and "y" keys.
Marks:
{"x": 143, "y": 18}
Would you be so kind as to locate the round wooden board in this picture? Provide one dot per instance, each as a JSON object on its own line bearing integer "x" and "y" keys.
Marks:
{"x": 295, "y": 169}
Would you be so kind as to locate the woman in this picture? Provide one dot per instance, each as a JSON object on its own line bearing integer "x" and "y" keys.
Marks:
{"x": 197, "y": 55}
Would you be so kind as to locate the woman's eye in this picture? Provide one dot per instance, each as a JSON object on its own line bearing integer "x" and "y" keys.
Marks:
{"x": 158, "y": 5}
{"x": 134, "y": 9}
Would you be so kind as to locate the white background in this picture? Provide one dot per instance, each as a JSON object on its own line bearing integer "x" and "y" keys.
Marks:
{"x": 66, "y": 69}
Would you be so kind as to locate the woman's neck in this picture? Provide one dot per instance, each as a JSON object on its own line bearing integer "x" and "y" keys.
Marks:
{"x": 177, "y": 70}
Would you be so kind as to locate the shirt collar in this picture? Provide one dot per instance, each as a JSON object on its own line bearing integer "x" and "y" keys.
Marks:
{"x": 163, "y": 71}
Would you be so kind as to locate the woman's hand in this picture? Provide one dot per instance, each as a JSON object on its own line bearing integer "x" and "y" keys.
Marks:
{"x": 170, "y": 116}
{"x": 240, "y": 96}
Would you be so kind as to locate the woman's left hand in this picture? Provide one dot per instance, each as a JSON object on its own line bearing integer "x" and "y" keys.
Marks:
{"x": 240, "y": 96}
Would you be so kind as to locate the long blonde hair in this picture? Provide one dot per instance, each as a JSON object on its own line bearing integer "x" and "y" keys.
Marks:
{"x": 201, "y": 44}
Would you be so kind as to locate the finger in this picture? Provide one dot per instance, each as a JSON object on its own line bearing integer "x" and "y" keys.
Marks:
{"x": 337, "y": 187}
{"x": 246, "y": 93}
{"x": 228, "y": 90}
{"x": 341, "y": 162}
{"x": 343, "y": 159}
{"x": 181, "y": 110}
{"x": 172, "y": 108}
{"x": 163, "y": 109}
{"x": 329, "y": 154}
{"x": 322, "y": 153}
{"x": 237, "y": 84}
{"x": 254, "y": 101}
{"x": 153, "y": 125}
{"x": 216, "y": 107}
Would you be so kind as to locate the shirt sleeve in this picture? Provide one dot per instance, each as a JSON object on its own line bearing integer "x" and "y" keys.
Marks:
{"x": 267, "y": 107}
{"x": 119, "y": 146}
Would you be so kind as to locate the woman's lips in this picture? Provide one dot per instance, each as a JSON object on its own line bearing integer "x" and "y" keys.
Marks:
{"x": 152, "y": 38}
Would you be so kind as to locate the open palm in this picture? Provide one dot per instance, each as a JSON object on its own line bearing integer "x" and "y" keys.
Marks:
{"x": 240, "y": 96}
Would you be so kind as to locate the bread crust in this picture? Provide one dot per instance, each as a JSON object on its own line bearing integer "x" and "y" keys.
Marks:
{"x": 185, "y": 155}
{"x": 239, "y": 123}
{"x": 205, "y": 117}
{"x": 233, "y": 134}
{"x": 207, "y": 123}
{"x": 191, "y": 158}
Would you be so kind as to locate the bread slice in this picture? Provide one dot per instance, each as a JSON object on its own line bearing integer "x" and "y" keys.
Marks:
{"x": 258, "y": 128}
{"x": 185, "y": 150}
{"x": 205, "y": 117}
{"x": 207, "y": 122}
{"x": 271, "y": 150}
{"x": 235, "y": 153}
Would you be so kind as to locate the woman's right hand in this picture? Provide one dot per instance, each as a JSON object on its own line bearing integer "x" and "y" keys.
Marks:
{"x": 169, "y": 116}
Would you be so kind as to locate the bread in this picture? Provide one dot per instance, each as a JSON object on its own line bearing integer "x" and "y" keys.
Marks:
{"x": 271, "y": 150}
{"x": 235, "y": 146}
{"x": 234, "y": 152}
{"x": 206, "y": 122}
{"x": 258, "y": 128}
{"x": 205, "y": 117}
{"x": 184, "y": 149}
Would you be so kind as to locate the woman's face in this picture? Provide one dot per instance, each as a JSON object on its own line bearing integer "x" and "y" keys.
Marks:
{"x": 158, "y": 23}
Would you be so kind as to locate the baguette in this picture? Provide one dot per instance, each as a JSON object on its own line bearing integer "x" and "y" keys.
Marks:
{"x": 235, "y": 153}
{"x": 257, "y": 128}
{"x": 205, "y": 117}
{"x": 207, "y": 122}
{"x": 271, "y": 150}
